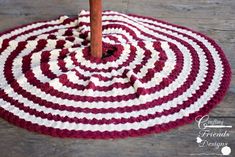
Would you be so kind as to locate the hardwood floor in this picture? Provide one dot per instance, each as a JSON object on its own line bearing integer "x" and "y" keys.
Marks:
{"x": 215, "y": 18}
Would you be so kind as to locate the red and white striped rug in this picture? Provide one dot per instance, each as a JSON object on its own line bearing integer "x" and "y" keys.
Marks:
{"x": 154, "y": 76}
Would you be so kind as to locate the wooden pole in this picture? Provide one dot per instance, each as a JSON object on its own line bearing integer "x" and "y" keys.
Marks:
{"x": 96, "y": 27}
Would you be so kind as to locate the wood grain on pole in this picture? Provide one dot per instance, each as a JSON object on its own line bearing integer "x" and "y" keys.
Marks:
{"x": 96, "y": 27}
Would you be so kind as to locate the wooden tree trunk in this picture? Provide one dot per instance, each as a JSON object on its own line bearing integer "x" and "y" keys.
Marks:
{"x": 96, "y": 27}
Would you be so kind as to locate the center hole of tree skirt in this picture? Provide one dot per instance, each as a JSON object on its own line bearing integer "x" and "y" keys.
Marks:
{"x": 108, "y": 51}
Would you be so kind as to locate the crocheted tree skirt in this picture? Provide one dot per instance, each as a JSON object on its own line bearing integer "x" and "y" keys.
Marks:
{"x": 153, "y": 76}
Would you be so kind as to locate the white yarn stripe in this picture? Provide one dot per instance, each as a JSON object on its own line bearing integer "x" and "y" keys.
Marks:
{"x": 41, "y": 31}
{"x": 32, "y": 26}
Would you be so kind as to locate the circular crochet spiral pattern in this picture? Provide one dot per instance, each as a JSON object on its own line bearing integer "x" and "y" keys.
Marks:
{"x": 153, "y": 76}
